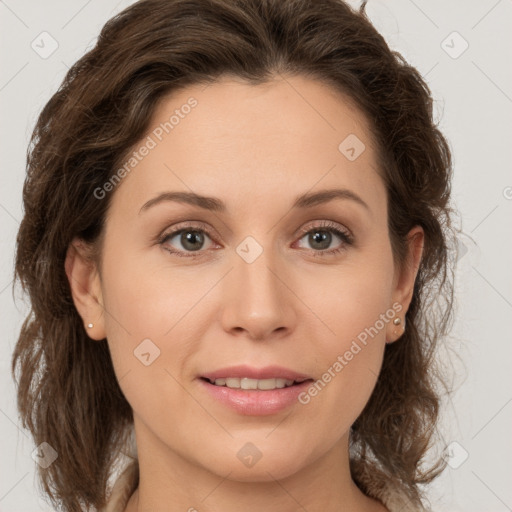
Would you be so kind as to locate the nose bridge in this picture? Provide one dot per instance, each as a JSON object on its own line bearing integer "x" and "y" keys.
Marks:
{"x": 258, "y": 301}
{"x": 253, "y": 268}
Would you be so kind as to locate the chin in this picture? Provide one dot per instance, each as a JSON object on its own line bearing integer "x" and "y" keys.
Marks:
{"x": 260, "y": 472}
{"x": 249, "y": 464}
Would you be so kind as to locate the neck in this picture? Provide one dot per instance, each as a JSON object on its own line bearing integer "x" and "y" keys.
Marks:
{"x": 168, "y": 482}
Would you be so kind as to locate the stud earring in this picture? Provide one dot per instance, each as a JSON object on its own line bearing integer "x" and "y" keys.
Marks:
{"x": 397, "y": 321}
{"x": 90, "y": 326}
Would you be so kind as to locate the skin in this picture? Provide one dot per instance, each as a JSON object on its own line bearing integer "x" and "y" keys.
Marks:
{"x": 256, "y": 148}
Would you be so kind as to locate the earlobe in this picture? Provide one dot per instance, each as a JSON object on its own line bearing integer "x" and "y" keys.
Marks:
{"x": 85, "y": 286}
{"x": 398, "y": 329}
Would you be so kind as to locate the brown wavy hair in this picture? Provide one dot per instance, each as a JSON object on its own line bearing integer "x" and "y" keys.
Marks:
{"x": 67, "y": 391}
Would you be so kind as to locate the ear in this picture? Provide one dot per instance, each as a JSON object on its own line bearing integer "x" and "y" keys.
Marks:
{"x": 404, "y": 281}
{"x": 85, "y": 284}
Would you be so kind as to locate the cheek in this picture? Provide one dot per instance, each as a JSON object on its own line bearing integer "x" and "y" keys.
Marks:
{"x": 144, "y": 298}
{"x": 141, "y": 306}
{"x": 357, "y": 310}
{"x": 155, "y": 323}
{"x": 352, "y": 299}
{"x": 147, "y": 312}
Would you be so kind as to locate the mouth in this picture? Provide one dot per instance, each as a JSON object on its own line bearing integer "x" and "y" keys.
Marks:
{"x": 247, "y": 383}
{"x": 253, "y": 391}
{"x": 255, "y": 397}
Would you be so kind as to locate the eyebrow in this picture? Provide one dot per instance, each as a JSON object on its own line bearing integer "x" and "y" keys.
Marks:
{"x": 214, "y": 204}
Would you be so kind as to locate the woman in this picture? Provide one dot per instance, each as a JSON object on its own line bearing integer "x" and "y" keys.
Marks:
{"x": 235, "y": 233}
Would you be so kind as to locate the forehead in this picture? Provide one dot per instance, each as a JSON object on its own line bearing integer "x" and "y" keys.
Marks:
{"x": 243, "y": 141}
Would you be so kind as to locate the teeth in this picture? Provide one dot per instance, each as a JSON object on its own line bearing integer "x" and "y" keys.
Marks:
{"x": 246, "y": 383}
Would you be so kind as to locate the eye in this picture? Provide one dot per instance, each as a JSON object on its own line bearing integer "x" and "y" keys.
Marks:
{"x": 188, "y": 239}
{"x": 320, "y": 238}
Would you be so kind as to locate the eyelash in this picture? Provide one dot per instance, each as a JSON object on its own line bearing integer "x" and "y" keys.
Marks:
{"x": 328, "y": 226}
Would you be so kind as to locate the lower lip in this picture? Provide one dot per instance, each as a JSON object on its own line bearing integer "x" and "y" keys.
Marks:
{"x": 255, "y": 402}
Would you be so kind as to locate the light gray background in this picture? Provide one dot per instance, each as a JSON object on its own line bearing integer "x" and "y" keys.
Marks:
{"x": 473, "y": 97}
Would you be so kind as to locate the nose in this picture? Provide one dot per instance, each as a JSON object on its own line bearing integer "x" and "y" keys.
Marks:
{"x": 257, "y": 300}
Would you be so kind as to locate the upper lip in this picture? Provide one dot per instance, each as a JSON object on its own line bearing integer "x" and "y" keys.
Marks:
{"x": 268, "y": 372}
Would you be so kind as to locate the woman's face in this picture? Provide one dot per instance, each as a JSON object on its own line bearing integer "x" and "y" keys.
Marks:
{"x": 260, "y": 278}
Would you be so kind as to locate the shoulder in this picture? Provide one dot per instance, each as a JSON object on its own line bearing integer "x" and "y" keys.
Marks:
{"x": 124, "y": 478}
{"x": 374, "y": 483}
{"x": 123, "y": 488}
